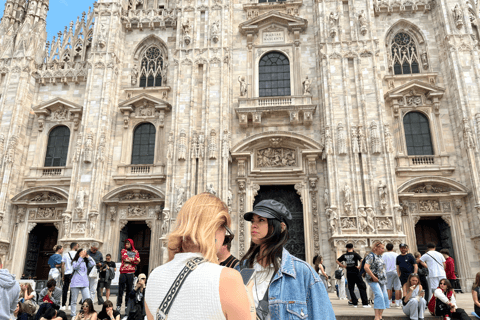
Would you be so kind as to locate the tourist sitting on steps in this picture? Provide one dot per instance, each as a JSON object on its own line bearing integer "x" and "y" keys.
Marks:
{"x": 19, "y": 312}
{"x": 88, "y": 311}
{"x": 53, "y": 314}
{"x": 414, "y": 303}
{"x": 443, "y": 302}
{"x": 476, "y": 296}
{"x": 108, "y": 313}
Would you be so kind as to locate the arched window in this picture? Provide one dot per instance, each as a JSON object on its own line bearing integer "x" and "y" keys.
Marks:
{"x": 57, "y": 148}
{"x": 274, "y": 75}
{"x": 417, "y": 134}
{"x": 404, "y": 54}
{"x": 143, "y": 144}
{"x": 151, "y": 72}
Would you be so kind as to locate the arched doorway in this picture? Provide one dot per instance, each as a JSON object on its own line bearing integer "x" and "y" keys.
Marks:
{"x": 436, "y": 230}
{"x": 41, "y": 241}
{"x": 287, "y": 195}
{"x": 141, "y": 234}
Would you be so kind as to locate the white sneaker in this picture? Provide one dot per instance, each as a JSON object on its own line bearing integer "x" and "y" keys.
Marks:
{"x": 62, "y": 308}
{"x": 68, "y": 307}
{"x": 355, "y": 306}
{"x": 367, "y": 306}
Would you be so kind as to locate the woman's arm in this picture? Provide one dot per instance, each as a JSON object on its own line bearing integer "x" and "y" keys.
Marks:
{"x": 93, "y": 316}
{"x": 475, "y": 298}
{"x": 323, "y": 271}
{"x": 367, "y": 270}
{"x": 318, "y": 303}
{"x": 408, "y": 296}
{"x": 438, "y": 293}
{"x": 234, "y": 299}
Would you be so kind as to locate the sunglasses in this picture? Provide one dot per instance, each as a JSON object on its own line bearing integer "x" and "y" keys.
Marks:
{"x": 229, "y": 235}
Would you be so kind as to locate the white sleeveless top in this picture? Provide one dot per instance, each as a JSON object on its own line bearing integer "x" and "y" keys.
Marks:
{"x": 199, "y": 297}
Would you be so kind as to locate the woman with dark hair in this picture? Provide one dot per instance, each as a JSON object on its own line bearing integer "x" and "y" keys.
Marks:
{"x": 108, "y": 313}
{"x": 20, "y": 313}
{"x": 280, "y": 276}
{"x": 55, "y": 263}
{"x": 443, "y": 302}
{"x": 476, "y": 295}
{"x": 422, "y": 273}
{"x": 80, "y": 264}
{"x": 413, "y": 302}
{"x": 320, "y": 269}
{"x": 88, "y": 311}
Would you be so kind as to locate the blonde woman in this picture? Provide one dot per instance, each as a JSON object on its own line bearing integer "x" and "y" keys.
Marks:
{"x": 209, "y": 291}
{"x": 376, "y": 277}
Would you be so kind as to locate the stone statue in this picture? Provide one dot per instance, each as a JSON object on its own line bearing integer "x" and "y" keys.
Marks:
{"x": 424, "y": 57}
{"x": 468, "y": 135}
{"x": 66, "y": 224}
{"x": 362, "y": 19}
{"x": 326, "y": 200}
{"x": 306, "y": 86}
{"x": 186, "y": 27}
{"x": 370, "y": 219}
{"x": 347, "y": 194}
{"x": 92, "y": 223}
{"x": 88, "y": 148}
{"x": 333, "y": 19}
{"x": 170, "y": 146}
{"x": 341, "y": 139}
{"x": 362, "y": 220}
{"x": 134, "y": 74}
{"x": 375, "y": 138}
{"x": 243, "y": 86}
{"x": 457, "y": 13}
{"x": 113, "y": 213}
{"x": 212, "y": 146}
{"x": 362, "y": 140}
{"x": 333, "y": 221}
{"x": 354, "y": 135}
{"x": 382, "y": 194}
{"x": 166, "y": 223}
{"x": 164, "y": 73}
{"x": 180, "y": 199}
{"x": 211, "y": 189}
{"x": 215, "y": 28}
{"x": 182, "y": 145}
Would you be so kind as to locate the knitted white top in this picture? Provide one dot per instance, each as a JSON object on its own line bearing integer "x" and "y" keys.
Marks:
{"x": 199, "y": 297}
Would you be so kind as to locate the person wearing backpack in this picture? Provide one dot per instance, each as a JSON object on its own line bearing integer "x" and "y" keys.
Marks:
{"x": 67, "y": 273}
{"x": 351, "y": 259}
{"x": 376, "y": 277}
{"x": 436, "y": 266}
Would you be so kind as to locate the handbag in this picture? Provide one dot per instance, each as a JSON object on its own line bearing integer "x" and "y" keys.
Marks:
{"x": 93, "y": 273}
{"x": 164, "y": 308}
{"x": 423, "y": 272}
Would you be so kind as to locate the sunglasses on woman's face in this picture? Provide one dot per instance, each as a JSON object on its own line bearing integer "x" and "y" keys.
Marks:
{"x": 229, "y": 235}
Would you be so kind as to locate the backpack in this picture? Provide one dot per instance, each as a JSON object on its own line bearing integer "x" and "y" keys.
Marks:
{"x": 362, "y": 265}
{"x": 338, "y": 274}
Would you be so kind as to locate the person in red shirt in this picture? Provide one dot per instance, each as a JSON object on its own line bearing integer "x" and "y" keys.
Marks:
{"x": 130, "y": 259}
{"x": 449, "y": 268}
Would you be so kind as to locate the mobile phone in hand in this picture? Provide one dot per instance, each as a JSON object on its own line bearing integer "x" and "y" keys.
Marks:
{"x": 247, "y": 275}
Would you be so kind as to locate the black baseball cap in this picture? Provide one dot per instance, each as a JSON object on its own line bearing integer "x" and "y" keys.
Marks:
{"x": 270, "y": 209}
{"x": 403, "y": 245}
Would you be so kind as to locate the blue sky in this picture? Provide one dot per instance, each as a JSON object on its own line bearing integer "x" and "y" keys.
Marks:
{"x": 60, "y": 13}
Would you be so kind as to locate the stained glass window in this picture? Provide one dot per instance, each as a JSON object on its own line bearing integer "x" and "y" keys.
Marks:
{"x": 57, "y": 147}
{"x": 152, "y": 68}
{"x": 404, "y": 55}
{"x": 274, "y": 75}
{"x": 417, "y": 134}
{"x": 143, "y": 148}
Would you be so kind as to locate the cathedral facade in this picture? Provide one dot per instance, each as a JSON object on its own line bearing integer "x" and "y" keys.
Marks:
{"x": 361, "y": 116}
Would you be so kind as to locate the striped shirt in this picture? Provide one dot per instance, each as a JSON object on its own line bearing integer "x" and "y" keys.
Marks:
{"x": 230, "y": 262}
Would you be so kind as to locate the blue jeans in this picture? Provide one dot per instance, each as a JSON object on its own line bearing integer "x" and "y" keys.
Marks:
{"x": 73, "y": 302}
{"x": 381, "y": 296}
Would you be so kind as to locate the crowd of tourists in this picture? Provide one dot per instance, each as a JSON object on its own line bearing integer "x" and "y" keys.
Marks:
{"x": 203, "y": 280}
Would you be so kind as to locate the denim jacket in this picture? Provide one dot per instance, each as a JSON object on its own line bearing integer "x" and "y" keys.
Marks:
{"x": 297, "y": 292}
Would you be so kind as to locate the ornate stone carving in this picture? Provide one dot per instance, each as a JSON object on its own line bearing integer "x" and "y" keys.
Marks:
{"x": 333, "y": 220}
{"x": 113, "y": 214}
{"x": 307, "y": 89}
{"x": 243, "y": 86}
{"x": 21, "y": 213}
{"x": 375, "y": 138}
{"x": 201, "y": 145}
{"x": 458, "y": 205}
{"x": 276, "y": 157}
{"x": 362, "y": 140}
{"x": 212, "y": 145}
{"x": 333, "y": 22}
{"x": 447, "y": 219}
{"x": 12, "y": 145}
{"x": 211, "y": 189}
{"x": 398, "y": 210}
{"x": 366, "y": 220}
{"x": 405, "y": 208}
{"x": 363, "y": 23}
{"x": 30, "y": 227}
{"x": 326, "y": 199}
{"x": 79, "y": 227}
{"x": 382, "y": 195}
{"x": 385, "y": 223}
{"x": 101, "y": 148}
{"x": 136, "y": 211}
{"x": 80, "y": 202}
{"x": 354, "y": 137}
{"x": 241, "y": 221}
{"x": 89, "y": 148}
{"x": 226, "y": 144}
{"x": 215, "y": 31}
{"x": 229, "y": 200}
{"x": 446, "y": 207}
{"x": 341, "y": 140}
{"x": 187, "y": 29}
{"x": 182, "y": 145}
{"x": 388, "y": 139}
{"x": 349, "y": 223}
{"x": 134, "y": 75}
{"x": 92, "y": 223}
{"x": 424, "y": 57}
{"x": 429, "y": 206}
{"x": 347, "y": 199}
{"x": 328, "y": 143}
{"x": 122, "y": 223}
{"x": 181, "y": 198}
{"x": 67, "y": 219}
{"x": 170, "y": 146}
{"x": 299, "y": 187}
{"x": 468, "y": 135}
{"x": 165, "y": 223}
{"x": 429, "y": 188}
{"x": 78, "y": 148}
{"x": 46, "y": 213}
{"x": 136, "y": 196}
{"x": 45, "y": 197}
{"x": 194, "y": 149}
{"x": 457, "y": 14}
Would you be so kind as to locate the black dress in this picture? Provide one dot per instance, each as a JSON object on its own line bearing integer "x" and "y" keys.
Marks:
{"x": 424, "y": 283}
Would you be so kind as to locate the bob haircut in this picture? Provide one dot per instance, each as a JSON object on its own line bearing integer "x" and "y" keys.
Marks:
{"x": 197, "y": 223}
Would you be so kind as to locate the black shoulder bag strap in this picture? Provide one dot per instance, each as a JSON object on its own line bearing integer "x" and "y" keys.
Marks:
{"x": 164, "y": 308}
{"x": 441, "y": 265}
{"x": 263, "y": 306}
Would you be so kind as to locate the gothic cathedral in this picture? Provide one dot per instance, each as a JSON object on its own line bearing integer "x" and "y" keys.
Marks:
{"x": 361, "y": 116}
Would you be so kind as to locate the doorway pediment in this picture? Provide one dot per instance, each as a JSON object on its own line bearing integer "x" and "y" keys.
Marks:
{"x": 58, "y": 110}
{"x": 290, "y": 22}
{"x": 417, "y": 86}
{"x": 144, "y": 106}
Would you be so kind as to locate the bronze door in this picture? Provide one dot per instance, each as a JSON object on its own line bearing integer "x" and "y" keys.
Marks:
{"x": 140, "y": 233}
{"x": 436, "y": 230}
{"x": 41, "y": 241}
{"x": 289, "y": 197}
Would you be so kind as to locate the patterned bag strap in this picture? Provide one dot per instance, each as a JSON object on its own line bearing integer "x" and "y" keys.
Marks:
{"x": 164, "y": 308}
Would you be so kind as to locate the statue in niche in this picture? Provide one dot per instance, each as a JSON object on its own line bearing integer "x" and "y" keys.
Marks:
{"x": 326, "y": 200}
{"x": 134, "y": 74}
{"x": 333, "y": 19}
{"x": 92, "y": 223}
{"x": 362, "y": 21}
{"x": 243, "y": 86}
{"x": 341, "y": 140}
{"x": 230, "y": 199}
{"x": 328, "y": 143}
{"x": 80, "y": 202}
{"x": 182, "y": 145}
{"x": 166, "y": 222}
{"x": 212, "y": 146}
{"x": 307, "y": 86}
{"x": 375, "y": 138}
{"x": 361, "y": 140}
{"x": 170, "y": 146}
{"x": 215, "y": 30}
{"x": 333, "y": 221}
{"x": 211, "y": 189}
{"x": 424, "y": 57}
{"x": 66, "y": 224}
{"x": 468, "y": 135}
{"x": 347, "y": 194}
{"x": 382, "y": 194}
{"x": 354, "y": 135}
{"x": 164, "y": 74}
{"x": 180, "y": 199}
{"x": 370, "y": 219}
{"x": 186, "y": 28}
{"x": 362, "y": 220}
{"x": 457, "y": 14}
{"x": 89, "y": 148}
